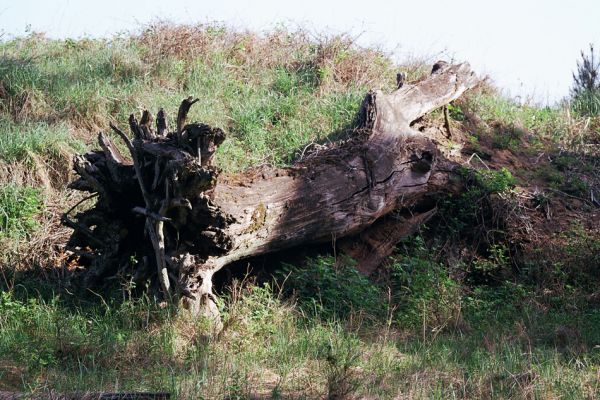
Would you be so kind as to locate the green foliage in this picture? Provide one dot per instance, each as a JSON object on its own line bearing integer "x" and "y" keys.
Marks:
{"x": 564, "y": 162}
{"x": 486, "y": 182}
{"x": 577, "y": 186}
{"x": 576, "y": 260}
{"x": 423, "y": 292}
{"x": 426, "y": 330}
{"x": 587, "y": 103}
{"x": 23, "y": 142}
{"x": 508, "y": 115}
{"x": 19, "y": 207}
{"x": 462, "y": 211}
{"x": 273, "y": 94}
{"x": 455, "y": 112}
{"x": 554, "y": 178}
{"x": 87, "y": 347}
{"x": 341, "y": 353}
{"x": 495, "y": 304}
{"x": 587, "y": 77}
{"x": 332, "y": 289}
{"x": 496, "y": 261}
{"x": 508, "y": 138}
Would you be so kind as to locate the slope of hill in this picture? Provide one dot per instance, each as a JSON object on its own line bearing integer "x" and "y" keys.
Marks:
{"x": 497, "y": 297}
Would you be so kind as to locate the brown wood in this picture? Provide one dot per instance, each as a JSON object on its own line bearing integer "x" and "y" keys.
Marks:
{"x": 388, "y": 167}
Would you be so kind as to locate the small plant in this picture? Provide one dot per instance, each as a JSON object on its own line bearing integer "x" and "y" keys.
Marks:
{"x": 456, "y": 113}
{"x": 341, "y": 353}
{"x": 554, "y": 178}
{"x": 508, "y": 138}
{"x": 586, "y": 86}
{"x": 332, "y": 289}
{"x": 425, "y": 295}
{"x": 462, "y": 211}
{"x": 489, "y": 269}
{"x": 19, "y": 207}
{"x": 577, "y": 186}
{"x": 490, "y": 182}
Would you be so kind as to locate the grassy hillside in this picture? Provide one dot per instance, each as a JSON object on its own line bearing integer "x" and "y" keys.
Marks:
{"x": 497, "y": 297}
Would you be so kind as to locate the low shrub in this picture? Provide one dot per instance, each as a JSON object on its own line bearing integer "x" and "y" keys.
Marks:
{"x": 19, "y": 207}
{"x": 332, "y": 289}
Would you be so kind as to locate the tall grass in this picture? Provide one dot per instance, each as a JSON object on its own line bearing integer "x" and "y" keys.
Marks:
{"x": 18, "y": 209}
{"x": 26, "y": 141}
{"x": 587, "y": 103}
{"x": 271, "y": 348}
{"x": 424, "y": 329}
{"x": 273, "y": 93}
{"x": 493, "y": 108}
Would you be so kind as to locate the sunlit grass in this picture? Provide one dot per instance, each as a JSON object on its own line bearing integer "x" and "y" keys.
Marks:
{"x": 270, "y": 348}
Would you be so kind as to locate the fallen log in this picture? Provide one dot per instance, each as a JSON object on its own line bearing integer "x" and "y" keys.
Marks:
{"x": 171, "y": 209}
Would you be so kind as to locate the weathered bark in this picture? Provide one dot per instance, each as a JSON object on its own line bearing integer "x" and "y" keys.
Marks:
{"x": 198, "y": 222}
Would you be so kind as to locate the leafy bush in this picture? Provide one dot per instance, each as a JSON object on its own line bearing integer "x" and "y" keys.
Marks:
{"x": 331, "y": 289}
{"x": 18, "y": 208}
{"x": 501, "y": 304}
{"x": 423, "y": 292}
{"x": 464, "y": 210}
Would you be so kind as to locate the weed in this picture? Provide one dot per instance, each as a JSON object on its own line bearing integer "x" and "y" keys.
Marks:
{"x": 465, "y": 210}
{"x": 554, "y": 178}
{"x": 495, "y": 109}
{"x": 341, "y": 353}
{"x": 73, "y": 345}
{"x": 508, "y": 138}
{"x": 19, "y": 207}
{"x": 332, "y": 289}
{"x": 425, "y": 295}
{"x": 587, "y": 103}
{"x": 577, "y": 186}
{"x": 22, "y": 142}
{"x": 455, "y": 112}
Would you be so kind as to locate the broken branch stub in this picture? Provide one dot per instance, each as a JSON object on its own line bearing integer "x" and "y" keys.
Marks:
{"x": 172, "y": 210}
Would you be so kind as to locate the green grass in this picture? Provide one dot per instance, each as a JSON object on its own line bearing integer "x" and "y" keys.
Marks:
{"x": 18, "y": 208}
{"x": 469, "y": 324}
{"x": 587, "y": 103}
{"x": 24, "y": 142}
{"x": 544, "y": 122}
{"x": 269, "y": 93}
{"x": 273, "y": 348}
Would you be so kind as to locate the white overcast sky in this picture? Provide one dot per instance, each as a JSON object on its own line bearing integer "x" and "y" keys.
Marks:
{"x": 528, "y": 47}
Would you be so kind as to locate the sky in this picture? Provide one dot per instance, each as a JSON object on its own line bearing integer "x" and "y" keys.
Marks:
{"x": 528, "y": 47}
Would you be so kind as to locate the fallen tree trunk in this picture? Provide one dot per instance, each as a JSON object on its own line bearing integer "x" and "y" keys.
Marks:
{"x": 169, "y": 208}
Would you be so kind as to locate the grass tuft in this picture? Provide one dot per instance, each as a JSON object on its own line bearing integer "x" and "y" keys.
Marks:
{"x": 19, "y": 207}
